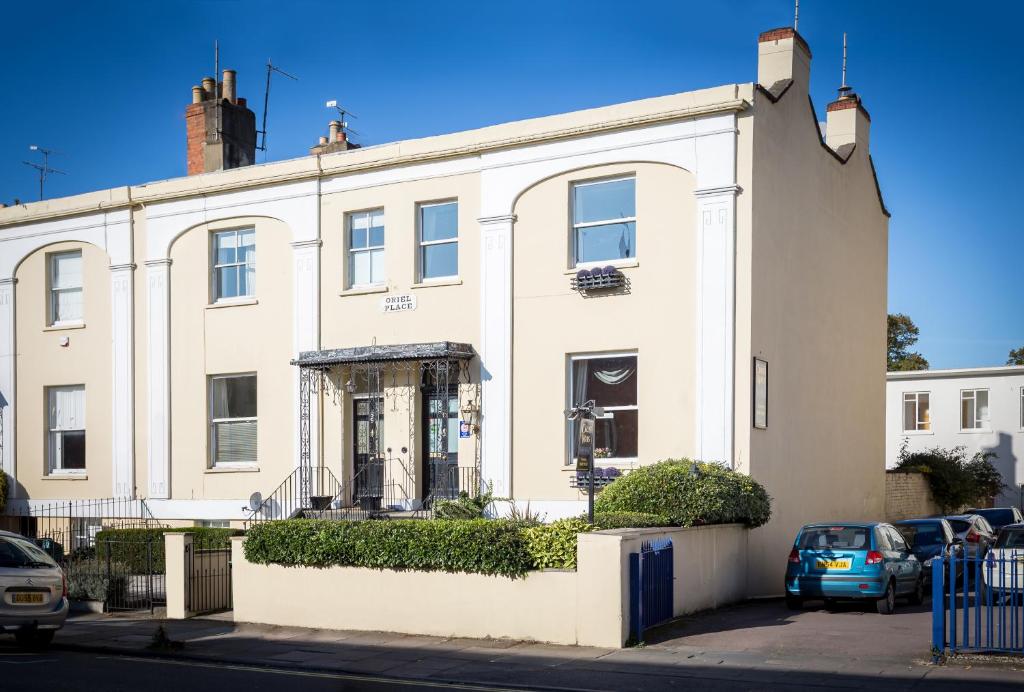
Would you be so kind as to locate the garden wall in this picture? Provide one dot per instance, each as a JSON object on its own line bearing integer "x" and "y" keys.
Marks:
{"x": 907, "y": 496}
{"x": 586, "y": 607}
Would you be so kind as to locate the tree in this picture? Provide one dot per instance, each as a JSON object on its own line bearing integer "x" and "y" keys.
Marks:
{"x": 903, "y": 334}
{"x": 1016, "y": 356}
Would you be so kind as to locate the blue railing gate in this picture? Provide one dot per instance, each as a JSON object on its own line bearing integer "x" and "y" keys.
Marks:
{"x": 983, "y": 611}
{"x": 651, "y": 581}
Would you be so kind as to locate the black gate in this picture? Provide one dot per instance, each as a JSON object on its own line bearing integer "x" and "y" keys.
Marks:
{"x": 123, "y": 574}
{"x": 208, "y": 569}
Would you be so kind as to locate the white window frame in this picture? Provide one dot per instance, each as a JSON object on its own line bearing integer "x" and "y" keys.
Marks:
{"x": 427, "y": 243}
{"x": 53, "y": 453}
{"x": 212, "y": 462}
{"x": 618, "y": 462}
{"x": 214, "y": 523}
{"x": 574, "y": 227}
{"x": 214, "y": 266}
{"x": 51, "y": 265}
{"x": 352, "y": 252}
{"x": 1022, "y": 408}
{"x": 918, "y": 422}
{"x": 981, "y": 424}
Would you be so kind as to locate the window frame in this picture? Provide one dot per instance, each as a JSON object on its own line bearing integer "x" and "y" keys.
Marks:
{"x": 351, "y": 252}
{"x": 422, "y": 244}
{"x": 574, "y": 227}
{"x": 617, "y": 462}
{"x": 211, "y": 444}
{"x": 52, "y": 291}
{"x": 916, "y": 430}
{"x": 983, "y": 424}
{"x": 1021, "y": 400}
{"x": 51, "y": 468}
{"x": 214, "y": 266}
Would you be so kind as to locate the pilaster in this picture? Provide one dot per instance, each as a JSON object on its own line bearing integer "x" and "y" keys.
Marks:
{"x": 158, "y": 273}
{"x": 8, "y": 363}
{"x": 122, "y": 304}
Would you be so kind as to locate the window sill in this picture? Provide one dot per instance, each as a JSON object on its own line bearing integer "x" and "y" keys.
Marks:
{"x": 232, "y": 303}
{"x": 625, "y": 463}
{"x": 250, "y": 468}
{"x": 364, "y": 290}
{"x": 621, "y": 264}
{"x": 64, "y": 326}
{"x": 430, "y": 283}
{"x": 975, "y": 431}
{"x": 918, "y": 432}
{"x": 66, "y": 477}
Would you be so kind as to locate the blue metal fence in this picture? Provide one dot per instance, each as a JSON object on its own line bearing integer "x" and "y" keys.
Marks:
{"x": 650, "y": 587}
{"x": 982, "y": 610}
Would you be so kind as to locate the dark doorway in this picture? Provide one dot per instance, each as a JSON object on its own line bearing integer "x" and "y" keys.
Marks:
{"x": 440, "y": 441}
{"x": 367, "y": 464}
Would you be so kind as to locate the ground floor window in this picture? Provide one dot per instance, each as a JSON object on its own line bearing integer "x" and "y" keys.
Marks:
{"x": 610, "y": 380}
{"x": 214, "y": 523}
{"x": 233, "y": 420}
{"x": 66, "y": 443}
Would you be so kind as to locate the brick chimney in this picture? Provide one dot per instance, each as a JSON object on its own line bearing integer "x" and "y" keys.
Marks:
{"x": 220, "y": 129}
{"x": 337, "y": 140}
{"x": 783, "y": 55}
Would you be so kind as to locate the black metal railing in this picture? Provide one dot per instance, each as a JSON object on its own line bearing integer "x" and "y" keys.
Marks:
{"x": 208, "y": 570}
{"x": 371, "y": 493}
{"x": 449, "y": 484}
{"x": 305, "y": 489}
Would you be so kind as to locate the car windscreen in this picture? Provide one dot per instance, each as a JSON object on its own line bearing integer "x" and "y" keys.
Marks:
{"x": 997, "y": 517}
{"x": 835, "y": 538}
{"x": 1011, "y": 539}
{"x": 921, "y": 535}
{"x": 959, "y": 525}
{"x": 12, "y": 555}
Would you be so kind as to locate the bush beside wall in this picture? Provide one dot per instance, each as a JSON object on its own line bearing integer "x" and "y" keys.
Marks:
{"x": 630, "y": 520}
{"x": 4, "y": 484}
{"x": 131, "y": 546}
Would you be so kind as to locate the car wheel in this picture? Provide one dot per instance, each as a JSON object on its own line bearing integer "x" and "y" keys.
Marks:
{"x": 34, "y": 639}
{"x": 794, "y": 602}
{"x": 917, "y": 595}
{"x": 887, "y": 603}
{"x": 831, "y": 604}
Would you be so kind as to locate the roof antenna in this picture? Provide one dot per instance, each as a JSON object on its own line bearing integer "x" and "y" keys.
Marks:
{"x": 844, "y": 90}
{"x": 333, "y": 103}
{"x": 217, "y": 93}
{"x": 271, "y": 68}
{"x": 44, "y": 168}
{"x": 796, "y": 16}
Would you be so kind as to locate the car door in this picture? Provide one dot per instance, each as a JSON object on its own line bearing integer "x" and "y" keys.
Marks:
{"x": 905, "y": 564}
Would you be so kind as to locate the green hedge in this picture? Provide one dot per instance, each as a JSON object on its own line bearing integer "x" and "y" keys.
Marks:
{"x": 553, "y": 546}
{"x": 130, "y": 546}
{"x": 630, "y": 520}
{"x": 3, "y": 491}
{"x": 88, "y": 581}
{"x": 688, "y": 494}
{"x": 478, "y": 546}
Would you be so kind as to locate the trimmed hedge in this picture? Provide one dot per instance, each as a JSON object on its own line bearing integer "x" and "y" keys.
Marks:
{"x": 477, "y": 546}
{"x": 130, "y": 546}
{"x": 630, "y": 520}
{"x": 553, "y": 546}
{"x": 712, "y": 495}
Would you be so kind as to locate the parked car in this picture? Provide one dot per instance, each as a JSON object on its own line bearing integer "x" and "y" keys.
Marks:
{"x": 33, "y": 592}
{"x": 1002, "y": 572}
{"x": 977, "y": 534}
{"x": 864, "y": 561}
{"x": 929, "y": 539}
{"x": 998, "y": 517}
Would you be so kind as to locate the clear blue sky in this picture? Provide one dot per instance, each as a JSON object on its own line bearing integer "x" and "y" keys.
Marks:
{"x": 106, "y": 83}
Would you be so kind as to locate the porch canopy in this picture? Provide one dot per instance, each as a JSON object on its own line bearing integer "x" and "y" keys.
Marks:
{"x": 438, "y": 350}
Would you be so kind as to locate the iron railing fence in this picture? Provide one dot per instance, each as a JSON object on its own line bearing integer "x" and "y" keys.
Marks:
{"x": 208, "y": 570}
{"x": 651, "y": 587}
{"x": 304, "y": 489}
{"x": 74, "y": 523}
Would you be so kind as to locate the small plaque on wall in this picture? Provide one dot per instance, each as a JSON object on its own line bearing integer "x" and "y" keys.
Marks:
{"x": 760, "y": 393}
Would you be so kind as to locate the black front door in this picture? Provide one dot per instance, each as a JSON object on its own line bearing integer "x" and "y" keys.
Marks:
{"x": 441, "y": 443}
{"x": 367, "y": 464}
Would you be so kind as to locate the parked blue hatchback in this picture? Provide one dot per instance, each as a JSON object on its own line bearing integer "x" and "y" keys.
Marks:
{"x": 868, "y": 561}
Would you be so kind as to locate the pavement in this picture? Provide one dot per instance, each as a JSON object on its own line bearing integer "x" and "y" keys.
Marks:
{"x": 757, "y": 645}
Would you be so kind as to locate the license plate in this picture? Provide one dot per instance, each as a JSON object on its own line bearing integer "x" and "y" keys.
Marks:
{"x": 831, "y": 564}
{"x": 27, "y": 598}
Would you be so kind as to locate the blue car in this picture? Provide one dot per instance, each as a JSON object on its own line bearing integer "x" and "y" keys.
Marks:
{"x": 868, "y": 561}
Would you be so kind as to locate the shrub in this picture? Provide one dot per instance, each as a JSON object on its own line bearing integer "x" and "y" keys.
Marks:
{"x": 3, "y": 491}
{"x": 629, "y": 520}
{"x": 88, "y": 581}
{"x": 553, "y": 546}
{"x": 712, "y": 494}
{"x": 133, "y": 546}
{"x": 955, "y": 480}
{"x": 464, "y": 507}
{"x": 479, "y": 546}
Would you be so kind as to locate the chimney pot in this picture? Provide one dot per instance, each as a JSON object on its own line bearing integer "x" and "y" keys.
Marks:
{"x": 323, "y": 140}
{"x": 228, "y": 86}
{"x": 209, "y": 88}
{"x": 197, "y": 94}
{"x": 334, "y": 128}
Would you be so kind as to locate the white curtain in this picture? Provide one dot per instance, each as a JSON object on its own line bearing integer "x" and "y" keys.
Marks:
{"x": 67, "y": 408}
{"x": 615, "y": 375}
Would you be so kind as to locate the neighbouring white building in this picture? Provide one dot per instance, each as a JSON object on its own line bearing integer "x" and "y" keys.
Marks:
{"x": 981, "y": 409}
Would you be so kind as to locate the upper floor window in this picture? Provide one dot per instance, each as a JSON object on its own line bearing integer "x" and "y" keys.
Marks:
{"x": 974, "y": 409}
{"x": 366, "y": 248}
{"x": 439, "y": 240}
{"x": 66, "y": 426}
{"x": 916, "y": 412}
{"x": 233, "y": 420}
{"x": 66, "y": 287}
{"x": 611, "y": 381}
{"x": 604, "y": 220}
{"x": 234, "y": 264}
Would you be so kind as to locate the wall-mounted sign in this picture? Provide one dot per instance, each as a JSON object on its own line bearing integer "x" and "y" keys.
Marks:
{"x": 760, "y": 393}
{"x": 403, "y": 302}
{"x": 464, "y": 428}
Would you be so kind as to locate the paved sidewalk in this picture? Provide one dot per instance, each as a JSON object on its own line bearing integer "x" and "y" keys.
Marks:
{"x": 680, "y": 660}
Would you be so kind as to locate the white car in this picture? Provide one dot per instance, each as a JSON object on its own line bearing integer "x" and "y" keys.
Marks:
{"x": 33, "y": 592}
{"x": 1002, "y": 570}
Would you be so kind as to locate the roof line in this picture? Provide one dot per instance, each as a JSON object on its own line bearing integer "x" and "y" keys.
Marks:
{"x": 955, "y": 372}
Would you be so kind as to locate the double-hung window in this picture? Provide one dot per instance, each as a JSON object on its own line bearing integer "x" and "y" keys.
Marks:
{"x": 65, "y": 287}
{"x": 66, "y": 425}
{"x": 916, "y": 412}
{"x": 611, "y": 382}
{"x": 233, "y": 420}
{"x": 234, "y": 264}
{"x": 974, "y": 413}
{"x": 439, "y": 240}
{"x": 366, "y": 248}
{"x": 604, "y": 220}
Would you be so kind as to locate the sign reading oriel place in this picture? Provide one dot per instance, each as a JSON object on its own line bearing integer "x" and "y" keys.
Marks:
{"x": 402, "y": 302}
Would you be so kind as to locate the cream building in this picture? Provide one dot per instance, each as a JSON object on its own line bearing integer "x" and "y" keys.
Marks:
{"x": 430, "y": 295}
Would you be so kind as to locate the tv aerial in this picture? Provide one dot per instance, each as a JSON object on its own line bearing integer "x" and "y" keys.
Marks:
{"x": 342, "y": 113}
{"x": 43, "y": 168}
{"x": 271, "y": 69}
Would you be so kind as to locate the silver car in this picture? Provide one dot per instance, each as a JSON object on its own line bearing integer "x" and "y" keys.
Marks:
{"x": 33, "y": 592}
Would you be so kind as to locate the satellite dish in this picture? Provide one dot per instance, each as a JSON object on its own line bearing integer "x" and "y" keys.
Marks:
{"x": 255, "y": 502}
